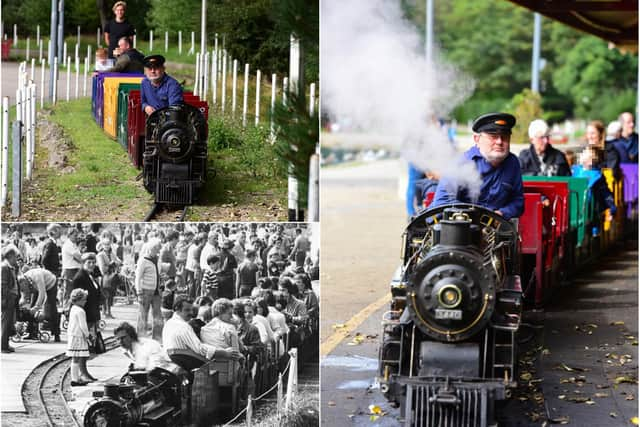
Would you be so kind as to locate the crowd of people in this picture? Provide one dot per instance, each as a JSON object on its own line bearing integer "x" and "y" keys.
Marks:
{"x": 225, "y": 291}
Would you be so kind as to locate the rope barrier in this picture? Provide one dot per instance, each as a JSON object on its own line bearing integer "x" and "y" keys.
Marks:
{"x": 228, "y": 423}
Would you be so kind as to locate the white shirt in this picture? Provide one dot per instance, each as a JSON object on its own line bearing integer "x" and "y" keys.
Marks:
{"x": 179, "y": 335}
{"x": 77, "y": 322}
{"x": 207, "y": 251}
{"x": 192, "y": 259}
{"x": 147, "y": 354}
{"x": 265, "y": 338}
{"x": 220, "y": 334}
{"x": 277, "y": 321}
{"x": 69, "y": 251}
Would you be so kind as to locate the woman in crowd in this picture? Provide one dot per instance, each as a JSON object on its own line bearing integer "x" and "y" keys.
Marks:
{"x": 221, "y": 331}
{"x": 85, "y": 280}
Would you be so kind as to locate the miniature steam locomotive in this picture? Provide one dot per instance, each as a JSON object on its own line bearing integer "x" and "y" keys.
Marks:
{"x": 174, "y": 162}
{"x": 449, "y": 347}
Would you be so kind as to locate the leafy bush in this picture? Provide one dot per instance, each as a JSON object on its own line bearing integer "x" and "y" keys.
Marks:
{"x": 527, "y": 107}
{"x": 224, "y": 132}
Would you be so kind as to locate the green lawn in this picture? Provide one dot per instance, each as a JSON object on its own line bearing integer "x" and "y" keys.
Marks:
{"x": 100, "y": 184}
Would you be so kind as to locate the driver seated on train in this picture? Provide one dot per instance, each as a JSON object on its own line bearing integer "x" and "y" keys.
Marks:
{"x": 501, "y": 189}
{"x": 144, "y": 353}
{"x": 158, "y": 89}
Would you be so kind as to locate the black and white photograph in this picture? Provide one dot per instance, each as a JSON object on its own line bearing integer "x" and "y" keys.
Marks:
{"x": 163, "y": 324}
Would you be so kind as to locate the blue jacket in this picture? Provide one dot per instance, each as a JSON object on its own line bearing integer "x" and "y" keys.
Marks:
{"x": 168, "y": 93}
{"x": 629, "y": 146}
{"x": 501, "y": 187}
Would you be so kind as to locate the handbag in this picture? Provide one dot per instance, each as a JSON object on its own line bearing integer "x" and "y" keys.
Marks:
{"x": 98, "y": 346}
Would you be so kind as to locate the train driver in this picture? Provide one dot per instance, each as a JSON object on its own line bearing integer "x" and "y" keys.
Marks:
{"x": 501, "y": 189}
{"x": 158, "y": 89}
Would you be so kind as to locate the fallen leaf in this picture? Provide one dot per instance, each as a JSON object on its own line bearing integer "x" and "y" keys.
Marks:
{"x": 331, "y": 403}
{"x": 375, "y": 410}
{"x": 560, "y": 420}
{"x": 373, "y": 418}
{"x": 339, "y": 326}
{"x": 601, "y": 395}
{"x": 590, "y": 402}
{"x": 630, "y": 397}
{"x": 625, "y": 379}
{"x": 613, "y": 415}
{"x": 525, "y": 376}
{"x": 634, "y": 421}
{"x": 617, "y": 323}
{"x": 562, "y": 397}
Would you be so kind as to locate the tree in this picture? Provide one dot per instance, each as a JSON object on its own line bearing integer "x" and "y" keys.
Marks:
{"x": 593, "y": 75}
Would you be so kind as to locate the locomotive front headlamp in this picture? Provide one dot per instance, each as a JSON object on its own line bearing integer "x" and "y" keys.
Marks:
{"x": 449, "y": 296}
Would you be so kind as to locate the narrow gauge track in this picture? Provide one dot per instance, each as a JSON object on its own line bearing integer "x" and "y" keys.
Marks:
{"x": 167, "y": 215}
{"x": 47, "y": 388}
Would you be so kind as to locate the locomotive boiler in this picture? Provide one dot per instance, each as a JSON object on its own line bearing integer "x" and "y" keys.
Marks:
{"x": 174, "y": 162}
{"x": 449, "y": 339}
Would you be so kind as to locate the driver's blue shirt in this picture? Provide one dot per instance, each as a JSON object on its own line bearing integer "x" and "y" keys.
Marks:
{"x": 501, "y": 187}
{"x": 168, "y": 93}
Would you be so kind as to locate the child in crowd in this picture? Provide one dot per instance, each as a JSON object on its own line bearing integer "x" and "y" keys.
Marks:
{"x": 78, "y": 342}
{"x": 103, "y": 63}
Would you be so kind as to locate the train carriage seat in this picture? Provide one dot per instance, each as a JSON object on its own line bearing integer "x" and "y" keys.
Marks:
{"x": 186, "y": 359}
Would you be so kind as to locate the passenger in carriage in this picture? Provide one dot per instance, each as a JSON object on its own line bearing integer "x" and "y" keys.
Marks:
{"x": 178, "y": 337}
{"x": 541, "y": 158}
{"x": 501, "y": 189}
{"x": 590, "y": 158}
{"x": 606, "y": 154}
{"x": 144, "y": 353}
{"x": 628, "y": 138}
{"x": 221, "y": 331}
{"x": 129, "y": 60}
{"x": 426, "y": 185}
{"x": 294, "y": 310}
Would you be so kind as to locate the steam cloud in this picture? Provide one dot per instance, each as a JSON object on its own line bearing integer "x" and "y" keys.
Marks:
{"x": 375, "y": 73}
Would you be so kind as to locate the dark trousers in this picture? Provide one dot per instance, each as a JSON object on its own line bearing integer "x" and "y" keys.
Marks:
{"x": 51, "y": 311}
{"x": 8, "y": 319}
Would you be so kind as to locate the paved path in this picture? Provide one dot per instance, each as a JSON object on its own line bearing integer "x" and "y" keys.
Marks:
{"x": 15, "y": 367}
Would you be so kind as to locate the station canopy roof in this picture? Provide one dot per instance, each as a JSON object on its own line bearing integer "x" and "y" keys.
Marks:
{"x": 615, "y": 21}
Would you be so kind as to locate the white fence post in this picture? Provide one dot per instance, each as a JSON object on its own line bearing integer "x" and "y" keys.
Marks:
{"x": 78, "y": 36}
{"x": 135, "y": 41}
{"x": 28, "y": 47}
{"x": 206, "y": 76}
{"x": 313, "y": 194}
{"x": 166, "y": 41}
{"x": 214, "y": 77}
{"x": 285, "y": 86}
{"x": 84, "y": 77}
{"x": 98, "y": 37}
{"x": 64, "y": 50}
{"x": 223, "y": 82}
{"x": 312, "y": 99}
{"x": 43, "y": 65}
{"x": 77, "y": 77}
{"x": 234, "y": 87}
{"x": 5, "y": 149}
{"x": 180, "y": 42}
{"x": 193, "y": 42}
{"x": 249, "y": 410}
{"x": 68, "y": 77}
{"x": 151, "y": 41}
{"x": 34, "y": 120}
{"x": 38, "y": 35}
{"x": 274, "y": 82}
{"x": 15, "y": 35}
{"x": 292, "y": 383}
{"x": 245, "y": 97}
{"x": 33, "y": 69}
{"x": 16, "y": 195}
{"x": 197, "y": 82}
{"x": 55, "y": 80}
{"x": 40, "y": 50}
{"x": 279, "y": 397}
{"x": 26, "y": 102}
{"x": 89, "y": 52}
{"x": 258, "y": 76}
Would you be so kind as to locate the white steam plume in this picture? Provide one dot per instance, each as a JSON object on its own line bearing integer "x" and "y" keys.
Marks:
{"x": 374, "y": 72}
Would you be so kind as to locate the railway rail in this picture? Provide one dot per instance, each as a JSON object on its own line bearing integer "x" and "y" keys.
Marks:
{"x": 45, "y": 393}
{"x": 155, "y": 212}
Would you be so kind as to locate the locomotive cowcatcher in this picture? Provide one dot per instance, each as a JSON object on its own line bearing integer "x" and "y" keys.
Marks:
{"x": 174, "y": 162}
{"x": 449, "y": 340}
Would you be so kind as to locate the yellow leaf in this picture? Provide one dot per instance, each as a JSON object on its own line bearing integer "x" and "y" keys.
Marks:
{"x": 375, "y": 410}
{"x": 634, "y": 421}
{"x": 339, "y": 326}
{"x": 617, "y": 323}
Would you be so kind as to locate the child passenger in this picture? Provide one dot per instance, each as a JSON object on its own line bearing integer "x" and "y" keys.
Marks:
{"x": 103, "y": 63}
{"x": 78, "y": 342}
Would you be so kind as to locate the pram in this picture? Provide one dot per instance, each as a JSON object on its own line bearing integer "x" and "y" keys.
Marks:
{"x": 64, "y": 320}
{"x": 28, "y": 323}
